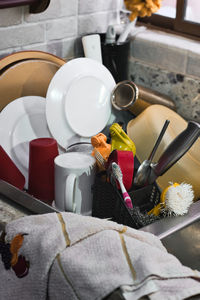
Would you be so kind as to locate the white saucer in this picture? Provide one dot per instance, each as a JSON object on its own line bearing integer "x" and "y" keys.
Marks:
{"x": 21, "y": 121}
{"x": 78, "y": 103}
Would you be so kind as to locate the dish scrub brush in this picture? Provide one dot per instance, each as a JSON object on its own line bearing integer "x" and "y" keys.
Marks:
{"x": 117, "y": 173}
{"x": 174, "y": 200}
{"x": 101, "y": 162}
{"x": 99, "y": 142}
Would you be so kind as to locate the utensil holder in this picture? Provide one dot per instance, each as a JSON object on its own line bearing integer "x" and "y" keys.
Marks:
{"x": 115, "y": 58}
{"x": 108, "y": 203}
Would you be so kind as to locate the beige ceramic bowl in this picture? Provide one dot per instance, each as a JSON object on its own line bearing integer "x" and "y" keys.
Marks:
{"x": 26, "y": 78}
{"x": 144, "y": 131}
{"x": 7, "y": 61}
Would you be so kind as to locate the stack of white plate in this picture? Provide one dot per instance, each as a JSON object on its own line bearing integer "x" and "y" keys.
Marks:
{"x": 77, "y": 106}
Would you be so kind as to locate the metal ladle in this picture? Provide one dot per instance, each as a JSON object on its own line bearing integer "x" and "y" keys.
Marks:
{"x": 144, "y": 169}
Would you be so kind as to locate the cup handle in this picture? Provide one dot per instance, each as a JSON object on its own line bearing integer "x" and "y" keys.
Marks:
{"x": 70, "y": 204}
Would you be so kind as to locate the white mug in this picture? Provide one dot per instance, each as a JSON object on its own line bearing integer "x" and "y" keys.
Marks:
{"x": 74, "y": 177}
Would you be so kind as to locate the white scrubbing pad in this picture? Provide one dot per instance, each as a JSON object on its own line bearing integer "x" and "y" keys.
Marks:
{"x": 179, "y": 198}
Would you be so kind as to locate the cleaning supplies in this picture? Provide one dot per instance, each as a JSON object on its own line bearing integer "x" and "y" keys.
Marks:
{"x": 99, "y": 142}
{"x": 117, "y": 173}
{"x": 178, "y": 199}
{"x": 125, "y": 160}
{"x": 175, "y": 199}
{"x": 101, "y": 162}
{"x": 120, "y": 140}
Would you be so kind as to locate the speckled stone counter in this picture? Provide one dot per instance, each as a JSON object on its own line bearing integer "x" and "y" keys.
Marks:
{"x": 183, "y": 90}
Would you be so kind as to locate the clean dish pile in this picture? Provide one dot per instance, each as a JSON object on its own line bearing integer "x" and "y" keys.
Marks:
{"x": 78, "y": 103}
{"x": 77, "y": 106}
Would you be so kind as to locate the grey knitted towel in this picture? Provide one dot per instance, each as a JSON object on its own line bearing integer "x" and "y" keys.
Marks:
{"x": 68, "y": 256}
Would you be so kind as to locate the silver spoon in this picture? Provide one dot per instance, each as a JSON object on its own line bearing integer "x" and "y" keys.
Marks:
{"x": 176, "y": 149}
{"x": 144, "y": 169}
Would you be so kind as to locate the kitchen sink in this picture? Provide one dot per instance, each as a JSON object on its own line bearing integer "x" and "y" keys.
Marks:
{"x": 181, "y": 236}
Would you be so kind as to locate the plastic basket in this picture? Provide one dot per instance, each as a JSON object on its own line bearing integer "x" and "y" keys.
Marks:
{"x": 108, "y": 203}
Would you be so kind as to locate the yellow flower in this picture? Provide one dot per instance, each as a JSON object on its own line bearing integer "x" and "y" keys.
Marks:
{"x": 142, "y": 8}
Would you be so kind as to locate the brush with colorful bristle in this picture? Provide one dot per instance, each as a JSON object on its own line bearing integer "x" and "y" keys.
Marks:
{"x": 174, "y": 200}
{"x": 117, "y": 173}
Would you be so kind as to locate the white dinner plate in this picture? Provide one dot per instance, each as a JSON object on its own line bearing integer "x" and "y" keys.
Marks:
{"x": 21, "y": 121}
{"x": 78, "y": 103}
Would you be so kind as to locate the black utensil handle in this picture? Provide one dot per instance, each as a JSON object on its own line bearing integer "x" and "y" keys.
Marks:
{"x": 159, "y": 140}
{"x": 177, "y": 148}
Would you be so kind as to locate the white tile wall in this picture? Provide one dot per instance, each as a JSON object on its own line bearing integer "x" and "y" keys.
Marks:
{"x": 91, "y": 6}
{"x": 57, "y": 9}
{"x": 160, "y": 54}
{"x": 193, "y": 64}
{"x": 56, "y": 29}
{"x": 15, "y": 36}
{"x": 10, "y": 17}
{"x": 59, "y": 28}
{"x": 168, "y": 51}
{"x": 96, "y": 22}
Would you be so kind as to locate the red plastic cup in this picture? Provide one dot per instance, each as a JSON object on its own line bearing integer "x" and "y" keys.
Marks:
{"x": 9, "y": 171}
{"x": 125, "y": 160}
{"x": 42, "y": 152}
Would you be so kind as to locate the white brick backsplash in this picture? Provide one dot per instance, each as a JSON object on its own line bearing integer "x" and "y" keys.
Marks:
{"x": 171, "y": 58}
{"x": 169, "y": 40}
{"x": 172, "y": 52}
{"x": 68, "y": 49}
{"x": 39, "y": 47}
{"x": 56, "y": 9}
{"x": 62, "y": 28}
{"x": 64, "y": 48}
{"x": 36, "y": 47}
{"x": 90, "y": 6}
{"x": 10, "y": 16}
{"x": 78, "y": 47}
{"x": 20, "y": 36}
{"x": 193, "y": 64}
{"x": 9, "y": 51}
{"x": 95, "y": 22}
{"x": 60, "y": 48}
{"x": 59, "y": 29}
